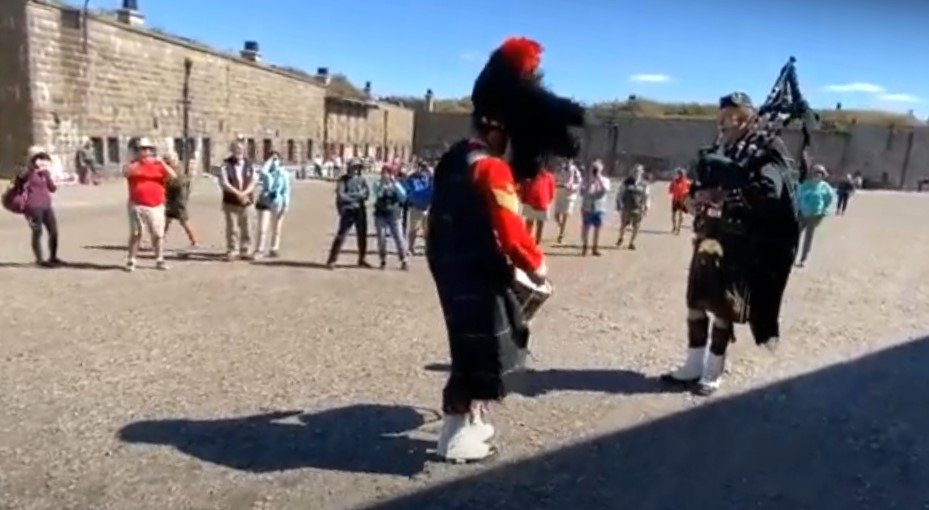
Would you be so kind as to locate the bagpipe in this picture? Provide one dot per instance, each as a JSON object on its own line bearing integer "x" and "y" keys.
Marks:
{"x": 784, "y": 104}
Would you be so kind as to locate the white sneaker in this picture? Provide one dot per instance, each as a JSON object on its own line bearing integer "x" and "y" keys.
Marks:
{"x": 712, "y": 374}
{"x": 691, "y": 370}
{"x": 461, "y": 440}
{"x": 486, "y": 430}
{"x": 772, "y": 344}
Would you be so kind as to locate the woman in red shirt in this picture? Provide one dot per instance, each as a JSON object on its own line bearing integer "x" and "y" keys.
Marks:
{"x": 537, "y": 197}
{"x": 147, "y": 177}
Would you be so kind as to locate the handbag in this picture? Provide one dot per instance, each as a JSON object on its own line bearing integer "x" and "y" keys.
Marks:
{"x": 15, "y": 197}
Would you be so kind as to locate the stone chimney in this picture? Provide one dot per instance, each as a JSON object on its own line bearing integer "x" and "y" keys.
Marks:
{"x": 367, "y": 89}
{"x": 129, "y": 14}
{"x": 251, "y": 51}
{"x": 430, "y": 101}
{"x": 322, "y": 74}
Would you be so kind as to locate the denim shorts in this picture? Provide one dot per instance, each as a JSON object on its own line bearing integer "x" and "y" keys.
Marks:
{"x": 593, "y": 219}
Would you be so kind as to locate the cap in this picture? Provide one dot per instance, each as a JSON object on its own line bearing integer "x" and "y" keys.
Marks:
{"x": 145, "y": 143}
{"x": 735, "y": 99}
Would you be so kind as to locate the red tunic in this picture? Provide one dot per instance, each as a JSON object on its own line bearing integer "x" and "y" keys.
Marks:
{"x": 495, "y": 178}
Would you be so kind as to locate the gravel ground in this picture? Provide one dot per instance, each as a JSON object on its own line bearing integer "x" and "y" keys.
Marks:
{"x": 283, "y": 385}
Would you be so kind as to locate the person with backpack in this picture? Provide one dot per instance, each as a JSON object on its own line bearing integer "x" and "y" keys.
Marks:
{"x": 632, "y": 204}
{"x": 389, "y": 197}
{"x": 31, "y": 195}
{"x": 418, "y": 187}
{"x": 272, "y": 204}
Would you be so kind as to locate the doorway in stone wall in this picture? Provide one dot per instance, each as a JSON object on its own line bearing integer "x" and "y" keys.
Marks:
{"x": 206, "y": 154}
{"x": 267, "y": 147}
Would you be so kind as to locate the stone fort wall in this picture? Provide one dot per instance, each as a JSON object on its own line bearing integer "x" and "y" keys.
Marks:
{"x": 898, "y": 156}
{"x": 125, "y": 82}
{"x": 15, "y": 93}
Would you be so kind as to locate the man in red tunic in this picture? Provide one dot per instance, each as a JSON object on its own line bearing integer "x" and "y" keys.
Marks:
{"x": 477, "y": 239}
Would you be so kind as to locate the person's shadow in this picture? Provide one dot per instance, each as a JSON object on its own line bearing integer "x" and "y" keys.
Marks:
{"x": 364, "y": 438}
{"x": 535, "y": 383}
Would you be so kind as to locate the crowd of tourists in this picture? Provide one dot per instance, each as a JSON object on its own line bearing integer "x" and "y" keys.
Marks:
{"x": 399, "y": 199}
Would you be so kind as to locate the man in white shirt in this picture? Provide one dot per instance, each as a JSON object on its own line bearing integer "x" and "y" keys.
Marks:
{"x": 568, "y": 183}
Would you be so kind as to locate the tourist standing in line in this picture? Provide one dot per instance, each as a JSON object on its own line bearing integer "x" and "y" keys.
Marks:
{"x": 814, "y": 198}
{"x": 844, "y": 192}
{"x": 237, "y": 182}
{"x": 593, "y": 206}
{"x": 352, "y": 192}
{"x": 147, "y": 177}
{"x": 177, "y": 195}
{"x": 37, "y": 185}
{"x": 568, "y": 183}
{"x": 85, "y": 163}
{"x": 273, "y": 202}
{"x": 389, "y": 196}
{"x": 679, "y": 189}
{"x": 537, "y": 195}
{"x": 632, "y": 202}
{"x": 419, "y": 194}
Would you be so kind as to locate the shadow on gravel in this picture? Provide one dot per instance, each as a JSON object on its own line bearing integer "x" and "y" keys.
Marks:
{"x": 85, "y": 266}
{"x": 302, "y": 264}
{"x": 535, "y": 383}
{"x": 850, "y": 436}
{"x": 358, "y": 438}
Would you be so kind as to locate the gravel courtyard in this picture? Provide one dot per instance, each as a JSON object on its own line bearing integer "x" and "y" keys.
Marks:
{"x": 281, "y": 385}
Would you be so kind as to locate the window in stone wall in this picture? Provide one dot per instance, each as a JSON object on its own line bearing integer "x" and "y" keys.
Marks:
{"x": 98, "y": 149}
{"x": 291, "y": 151}
{"x": 250, "y": 148}
{"x": 112, "y": 150}
{"x": 183, "y": 153}
{"x": 309, "y": 149}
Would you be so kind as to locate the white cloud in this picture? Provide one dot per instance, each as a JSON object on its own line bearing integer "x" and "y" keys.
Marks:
{"x": 900, "y": 98}
{"x": 650, "y": 78}
{"x": 858, "y": 86}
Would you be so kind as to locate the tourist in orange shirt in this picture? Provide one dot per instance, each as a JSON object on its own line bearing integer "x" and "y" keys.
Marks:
{"x": 147, "y": 177}
{"x": 679, "y": 190}
{"x": 537, "y": 195}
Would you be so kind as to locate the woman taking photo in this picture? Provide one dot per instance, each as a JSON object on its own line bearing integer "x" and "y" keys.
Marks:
{"x": 36, "y": 186}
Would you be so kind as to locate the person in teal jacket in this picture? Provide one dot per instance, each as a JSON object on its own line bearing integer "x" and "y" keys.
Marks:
{"x": 272, "y": 204}
{"x": 815, "y": 198}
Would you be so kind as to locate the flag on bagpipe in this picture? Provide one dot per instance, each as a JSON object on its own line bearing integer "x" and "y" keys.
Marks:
{"x": 785, "y": 103}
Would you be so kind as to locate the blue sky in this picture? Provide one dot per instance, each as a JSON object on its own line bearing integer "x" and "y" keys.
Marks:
{"x": 864, "y": 53}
